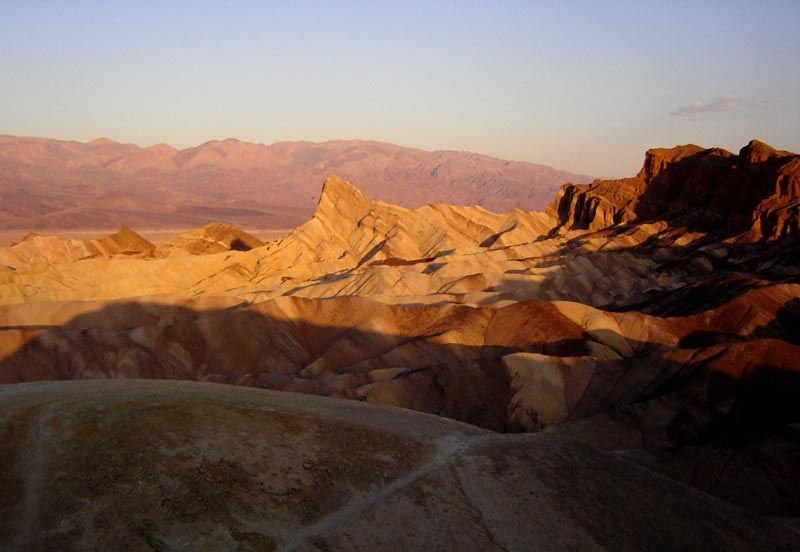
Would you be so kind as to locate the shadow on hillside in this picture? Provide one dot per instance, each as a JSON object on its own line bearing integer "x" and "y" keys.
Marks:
{"x": 435, "y": 363}
{"x": 663, "y": 278}
{"x": 701, "y": 275}
{"x": 330, "y": 346}
{"x": 238, "y": 245}
{"x": 331, "y": 349}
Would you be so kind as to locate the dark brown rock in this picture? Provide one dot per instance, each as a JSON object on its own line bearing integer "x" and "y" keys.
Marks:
{"x": 755, "y": 194}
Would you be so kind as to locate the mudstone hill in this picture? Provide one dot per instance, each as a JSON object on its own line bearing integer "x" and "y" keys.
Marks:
{"x": 618, "y": 372}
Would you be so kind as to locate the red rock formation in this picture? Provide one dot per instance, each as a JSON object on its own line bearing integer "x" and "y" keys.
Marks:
{"x": 755, "y": 194}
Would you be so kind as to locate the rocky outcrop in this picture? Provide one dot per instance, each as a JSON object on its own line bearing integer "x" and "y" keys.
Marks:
{"x": 124, "y": 242}
{"x": 755, "y": 194}
{"x": 216, "y": 237}
{"x": 350, "y": 230}
{"x": 777, "y": 216}
{"x": 598, "y": 205}
{"x": 39, "y": 251}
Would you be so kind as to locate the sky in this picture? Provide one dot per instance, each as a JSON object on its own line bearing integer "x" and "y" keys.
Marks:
{"x": 586, "y": 86}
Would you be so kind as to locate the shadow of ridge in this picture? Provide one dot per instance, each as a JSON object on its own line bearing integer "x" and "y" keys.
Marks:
{"x": 681, "y": 279}
{"x": 726, "y": 423}
{"x": 744, "y": 450}
{"x": 331, "y": 348}
{"x": 238, "y": 245}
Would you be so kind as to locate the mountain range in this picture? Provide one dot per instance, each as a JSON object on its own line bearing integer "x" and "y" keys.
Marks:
{"x": 52, "y": 185}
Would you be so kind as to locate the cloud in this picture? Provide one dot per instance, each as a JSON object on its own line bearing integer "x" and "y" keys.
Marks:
{"x": 722, "y": 103}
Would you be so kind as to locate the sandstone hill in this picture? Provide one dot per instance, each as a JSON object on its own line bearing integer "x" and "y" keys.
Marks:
{"x": 215, "y": 237}
{"x": 621, "y": 319}
{"x": 38, "y": 251}
{"x": 47, "y": 185}
{"x": 35, "y": 253}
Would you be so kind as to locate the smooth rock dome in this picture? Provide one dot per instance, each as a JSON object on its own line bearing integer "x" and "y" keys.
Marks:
{"x": 145, "y": 465}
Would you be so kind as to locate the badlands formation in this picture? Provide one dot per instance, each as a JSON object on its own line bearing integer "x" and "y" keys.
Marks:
{"x": 640, "y": 339}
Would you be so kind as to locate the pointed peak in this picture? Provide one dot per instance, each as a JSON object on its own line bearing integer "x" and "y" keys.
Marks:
{"x": 129, "y": 240}
{"x": 124, "y": 229}
{"x": 29, "y": 236}
{"x": 334, "y": 185}
{"x": 339, "y": 196}
{"x": 126, "y": 233}
{"x": 757, "y": 152}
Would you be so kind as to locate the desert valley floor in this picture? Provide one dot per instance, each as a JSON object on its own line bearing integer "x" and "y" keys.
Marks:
{"x": 620, "y": 372}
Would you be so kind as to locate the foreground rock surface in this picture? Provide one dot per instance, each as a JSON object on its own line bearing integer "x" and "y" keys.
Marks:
{"x": 143, "y": 465}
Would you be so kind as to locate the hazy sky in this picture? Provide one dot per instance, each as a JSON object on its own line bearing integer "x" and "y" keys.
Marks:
{"x": 584, "y": 86}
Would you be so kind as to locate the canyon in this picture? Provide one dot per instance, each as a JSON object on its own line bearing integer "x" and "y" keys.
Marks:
{"x": 615, "y": 372}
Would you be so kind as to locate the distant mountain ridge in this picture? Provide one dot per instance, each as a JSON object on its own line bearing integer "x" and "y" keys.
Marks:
{"x": 53, "y": 184}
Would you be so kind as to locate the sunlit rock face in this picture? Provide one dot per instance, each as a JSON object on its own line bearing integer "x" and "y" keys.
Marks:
{"x": 755, "y": 193}
{"x": 655, "y": 318}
